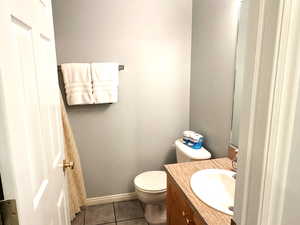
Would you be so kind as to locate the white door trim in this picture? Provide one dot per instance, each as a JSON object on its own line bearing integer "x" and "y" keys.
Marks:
{"x": 268, "y": 111}
{"x": 283, "y": 115}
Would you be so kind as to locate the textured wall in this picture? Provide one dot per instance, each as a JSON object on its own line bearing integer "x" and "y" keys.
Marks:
{"x": 212, "y": 77}
{"x": 153, "y": 40}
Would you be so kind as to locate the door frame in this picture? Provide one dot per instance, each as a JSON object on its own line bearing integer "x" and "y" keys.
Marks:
{"x": 271, "y": 87}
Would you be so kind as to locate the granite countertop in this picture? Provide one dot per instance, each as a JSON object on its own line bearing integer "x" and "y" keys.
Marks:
{"x": 181, "y": 173}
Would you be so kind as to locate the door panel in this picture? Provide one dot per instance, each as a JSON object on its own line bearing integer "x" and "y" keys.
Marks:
{"x": 44, "y": 13}
{"x": 62, "y": 209}
{"x": 26, "y": 65}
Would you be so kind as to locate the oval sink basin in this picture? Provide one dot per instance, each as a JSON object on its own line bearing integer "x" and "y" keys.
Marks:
{"x": 215, "y": 187}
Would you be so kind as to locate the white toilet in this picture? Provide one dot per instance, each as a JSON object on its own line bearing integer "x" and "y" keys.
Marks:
{"x": 151, "y": 186}
{"x": 151, "y": 189}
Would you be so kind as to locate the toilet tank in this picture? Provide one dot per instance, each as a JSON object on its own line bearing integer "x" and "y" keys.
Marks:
{"x": 187, "y": 154}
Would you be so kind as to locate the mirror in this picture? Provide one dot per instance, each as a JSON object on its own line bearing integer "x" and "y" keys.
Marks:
{"x": 239, "y": 75}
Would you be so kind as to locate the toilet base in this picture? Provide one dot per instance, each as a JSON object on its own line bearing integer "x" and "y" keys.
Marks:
{"x": 155, "y": 214}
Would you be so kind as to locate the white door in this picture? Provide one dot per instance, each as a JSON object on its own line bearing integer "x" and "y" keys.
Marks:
{"x": 31, "y": 144}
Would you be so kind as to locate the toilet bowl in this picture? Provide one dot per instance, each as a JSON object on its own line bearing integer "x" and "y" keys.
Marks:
{"x": 151, "y": 186}
{"x": 151, "y": 190}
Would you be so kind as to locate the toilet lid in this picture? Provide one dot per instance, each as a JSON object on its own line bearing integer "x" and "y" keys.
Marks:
{"x": 151, "y": 181}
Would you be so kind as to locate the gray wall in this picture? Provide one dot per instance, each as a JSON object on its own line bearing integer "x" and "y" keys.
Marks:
{"x": 153, "y": 40}
{"x": 212, "y": 77}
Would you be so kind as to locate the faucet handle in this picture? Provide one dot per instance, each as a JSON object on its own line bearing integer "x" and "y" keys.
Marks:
{"x": 234, "y": 162}
{"x": 234, "y": 165}
{"x": 236, "y": 154}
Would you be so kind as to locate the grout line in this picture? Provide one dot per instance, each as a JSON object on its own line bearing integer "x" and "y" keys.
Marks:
{"x": 131, "y": 219}
{"x": 115, "y": 213}
{"x": 105, "y": 223}
{"x": 142, "y": 206}
{"x": 84, "y": 211}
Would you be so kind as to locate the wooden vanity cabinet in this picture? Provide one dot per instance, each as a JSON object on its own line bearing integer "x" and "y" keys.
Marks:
{"x": 179, "y": 211}
{"x": 183, "y": 206}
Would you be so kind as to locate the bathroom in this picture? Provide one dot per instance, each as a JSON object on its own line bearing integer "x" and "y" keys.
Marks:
{"x": 177, "y": 58}
{"x": 189, "y": 131}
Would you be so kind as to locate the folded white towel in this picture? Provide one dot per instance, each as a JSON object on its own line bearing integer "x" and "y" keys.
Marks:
{"x": 105, "y": 78}
{"x": 78, "y": 83}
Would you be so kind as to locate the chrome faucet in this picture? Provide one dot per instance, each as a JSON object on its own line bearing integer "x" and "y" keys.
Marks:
{"x": 234, "y": 164}
{"x": 234, "y": 176}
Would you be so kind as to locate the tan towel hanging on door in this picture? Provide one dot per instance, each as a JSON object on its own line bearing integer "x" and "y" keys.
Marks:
{"x": 77, "y": 192}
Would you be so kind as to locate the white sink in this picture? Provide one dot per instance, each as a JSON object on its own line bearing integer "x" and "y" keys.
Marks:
{"x": 215, "y": 187}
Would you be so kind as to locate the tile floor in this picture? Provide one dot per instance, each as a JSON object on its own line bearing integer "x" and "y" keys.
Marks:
{"x": 118, "y": 213}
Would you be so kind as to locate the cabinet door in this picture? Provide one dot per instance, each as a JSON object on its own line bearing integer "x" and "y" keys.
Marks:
{"x": 179, "y": 212}
{"x": 174, "y": 216}
{"x": 198, "y": 219}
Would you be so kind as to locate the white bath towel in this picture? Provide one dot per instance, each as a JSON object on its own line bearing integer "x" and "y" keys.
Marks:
{"x": 78, "y": 83}
{"x": 105, "y": 78}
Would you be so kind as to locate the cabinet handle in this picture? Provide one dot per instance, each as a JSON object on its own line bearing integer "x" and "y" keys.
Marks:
{"x": 188, "y": 221}
{"x": 183, "y": 213}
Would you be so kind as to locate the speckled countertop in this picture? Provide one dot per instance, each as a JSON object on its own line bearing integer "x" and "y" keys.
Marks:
{"x": 181, "y": 173}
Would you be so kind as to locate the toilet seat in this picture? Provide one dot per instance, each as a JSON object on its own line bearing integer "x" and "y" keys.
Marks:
{"x": 151, "y": 182}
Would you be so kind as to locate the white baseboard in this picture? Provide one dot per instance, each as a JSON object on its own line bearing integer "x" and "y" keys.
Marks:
{"x": 111, "y": 198}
